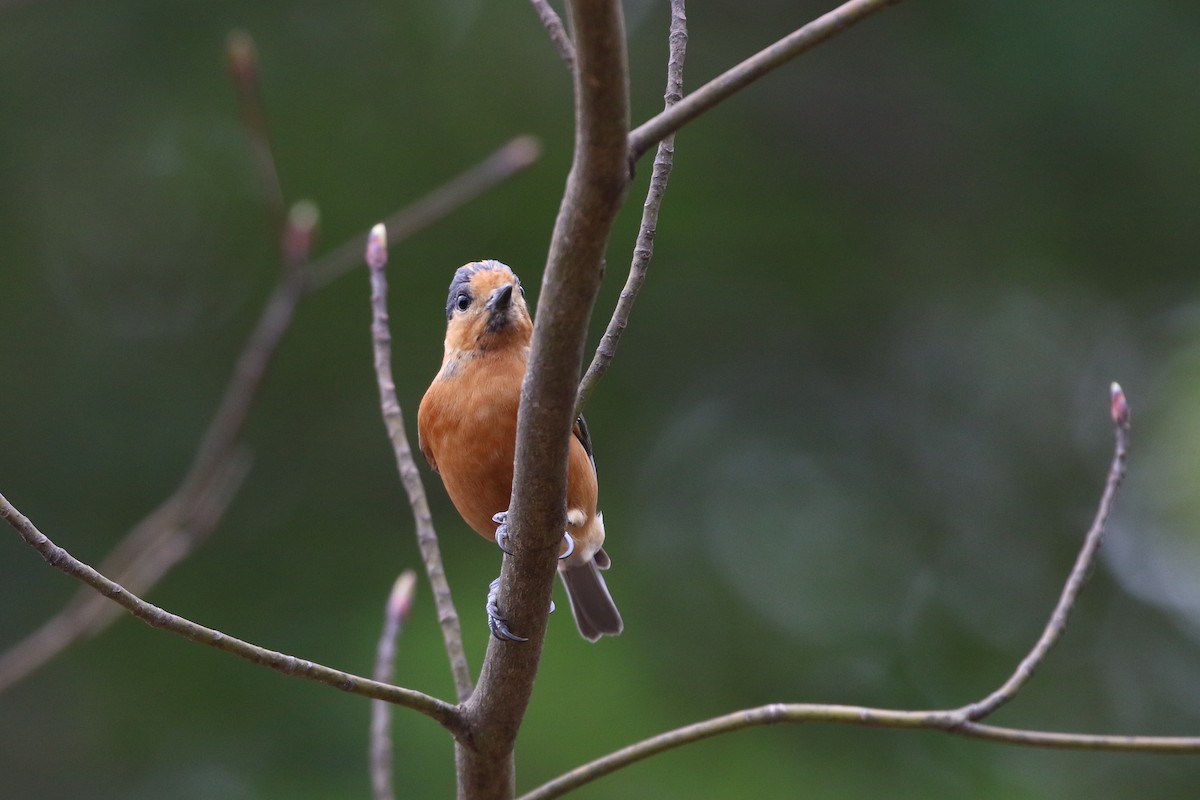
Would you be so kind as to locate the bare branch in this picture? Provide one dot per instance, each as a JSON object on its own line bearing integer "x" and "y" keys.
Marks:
{"x": 644, "y": 248}
{"x": 795, "y": 713}
{"x": 595, "y": 187}
{"x": 398, "y": 605}
{"x": 557, "y": 31}
{"x": 1079, "y": 574}
{"x": 961, "y": 721}
{"x": 734, "y": 80}
{"x": 393, "y": 418}
{"x": 242, "y": 57}
{"x": 169, "y": 533}
{"x": 501, "y": 165}
{"x": 445, "y": 714}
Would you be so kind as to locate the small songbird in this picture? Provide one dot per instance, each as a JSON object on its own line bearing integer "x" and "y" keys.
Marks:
{"x": 467, "y": 428}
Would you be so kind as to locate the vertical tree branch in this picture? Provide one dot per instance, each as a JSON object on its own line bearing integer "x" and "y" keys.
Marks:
{"x": 643, "y": 250}
{"x": 593, "y": 193}
{"x": 393, "y": 418}
{"x": 398, "y": 605}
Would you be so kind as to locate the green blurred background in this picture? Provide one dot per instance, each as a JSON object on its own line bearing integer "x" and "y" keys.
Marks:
{"x": 848, "y": 451}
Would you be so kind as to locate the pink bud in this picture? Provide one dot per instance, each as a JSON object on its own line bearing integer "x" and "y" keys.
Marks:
{"x": 243, "y": 58}
{"x": 377, "y": 255}
{"x": 300, "y": 231}
{"x": 1120, "y": 407}
{"x": 401, "y": 598}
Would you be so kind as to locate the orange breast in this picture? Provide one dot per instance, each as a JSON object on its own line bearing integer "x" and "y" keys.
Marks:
{"x": 468, "y": 428}
{"x": 467, "y": 424}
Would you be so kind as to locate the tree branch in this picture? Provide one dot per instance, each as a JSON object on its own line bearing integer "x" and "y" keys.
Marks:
{"x": 593, "y": 193}
{"x": 557, "y": 32}
{"x": 398, "y": 605}
{"x": 242, "y": 57}
{"x": 795, "y": 713}
{"x": 393, "y": 418}
{"x": 961, "y": 721}
{"x": 172, "y": 531}
{"x": 643, "y": 137}
{"x": 643, "y": 250}
{"x": 445, "y": 714}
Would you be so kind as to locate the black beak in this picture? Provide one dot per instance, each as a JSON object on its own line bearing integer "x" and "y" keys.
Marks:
{"x": 500, "y": 300}
{"x": 497, "y": 306}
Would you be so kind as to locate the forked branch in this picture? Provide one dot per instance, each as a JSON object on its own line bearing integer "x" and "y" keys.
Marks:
{"x": 962, "y": 721}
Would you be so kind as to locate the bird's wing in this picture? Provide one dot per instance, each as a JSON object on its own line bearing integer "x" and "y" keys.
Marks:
{"x": 581, "y": 433}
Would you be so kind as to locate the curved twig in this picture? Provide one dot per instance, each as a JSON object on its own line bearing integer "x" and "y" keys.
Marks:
{"x": 445, "y": 714}
{"x": 1079, "y": 573}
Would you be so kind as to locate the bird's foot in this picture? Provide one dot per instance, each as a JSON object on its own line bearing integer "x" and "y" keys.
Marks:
{"x": 570, "y": 540}
{"x": 497, "y": 624}
{"x": 501, "y": 517}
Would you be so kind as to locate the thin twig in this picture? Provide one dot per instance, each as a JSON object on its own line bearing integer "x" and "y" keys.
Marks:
{"x": 184, "y": 520}
{"x": 1079, "y": 574}
{"x": 393, "y": 418}
{"x": 498, "y": 167}
{"x": 643, "y": 137}
{"x": 961, "y": 721}
{"x": 557, "y": 31}
{"x": 242, "y": 57}
{"x": 644, "y": 248}
{"x": 398, "y": 605}
{"x": 446, "y": 714}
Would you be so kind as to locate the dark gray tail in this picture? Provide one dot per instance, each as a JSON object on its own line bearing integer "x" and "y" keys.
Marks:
{"x": 595, "y": 612}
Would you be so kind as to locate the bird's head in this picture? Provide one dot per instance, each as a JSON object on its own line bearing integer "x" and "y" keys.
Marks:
{"x": 486, "y": 309}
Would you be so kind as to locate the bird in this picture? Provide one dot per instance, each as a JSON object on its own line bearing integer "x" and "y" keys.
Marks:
{"x": 467, "y": 429}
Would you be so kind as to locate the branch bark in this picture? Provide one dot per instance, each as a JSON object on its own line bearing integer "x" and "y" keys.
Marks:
{"x": 595, "y": 186}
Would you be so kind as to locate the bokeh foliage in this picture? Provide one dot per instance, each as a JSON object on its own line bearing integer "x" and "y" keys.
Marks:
{"x": 848, "y": 448}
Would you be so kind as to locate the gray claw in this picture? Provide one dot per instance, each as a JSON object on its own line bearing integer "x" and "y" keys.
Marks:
{"x": 502, "y": 531}
{"x": 570, "y": 546}
{"x": 496, "y": 624}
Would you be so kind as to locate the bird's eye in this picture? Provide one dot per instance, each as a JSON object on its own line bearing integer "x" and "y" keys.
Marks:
{"x": 463, "y": 301}
{"x": 522, "y": 289}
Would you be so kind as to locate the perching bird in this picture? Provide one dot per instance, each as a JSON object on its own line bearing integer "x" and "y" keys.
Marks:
{"x": 467, "y": 428}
